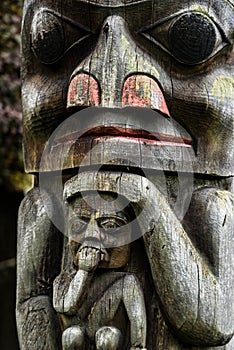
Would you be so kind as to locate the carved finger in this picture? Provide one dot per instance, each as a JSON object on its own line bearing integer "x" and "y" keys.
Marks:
{"x": 89, "y": 251}
{"x": 95, "y": 256}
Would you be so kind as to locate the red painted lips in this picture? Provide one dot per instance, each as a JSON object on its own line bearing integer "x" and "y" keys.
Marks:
{"x": 110, "y": 132}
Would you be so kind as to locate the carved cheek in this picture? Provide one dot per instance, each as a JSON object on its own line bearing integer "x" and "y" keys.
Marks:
{"x": 222, "y": 90}
{"x": 119, "y": 257}
{"x": 118, "y": 238}
{"x": 73, "y": 246}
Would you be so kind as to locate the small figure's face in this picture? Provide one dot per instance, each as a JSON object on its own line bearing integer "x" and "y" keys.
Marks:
{"x": 99, "y": 223}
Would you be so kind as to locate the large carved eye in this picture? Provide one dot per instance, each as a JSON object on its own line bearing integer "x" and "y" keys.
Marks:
{"x": 53, "y": 35}
{"x": 47, "y": 37}
{"x": 191, "y": 38}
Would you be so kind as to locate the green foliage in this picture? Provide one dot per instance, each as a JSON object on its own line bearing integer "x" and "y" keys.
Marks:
{"x": 11, "y": 163}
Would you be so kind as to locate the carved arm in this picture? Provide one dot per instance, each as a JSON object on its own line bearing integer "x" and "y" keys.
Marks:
{"x": 38, "y": 263}
{"x": 69, "y": 302}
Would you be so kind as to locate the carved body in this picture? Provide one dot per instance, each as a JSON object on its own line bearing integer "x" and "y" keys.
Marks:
{"x": 102, "y": 306}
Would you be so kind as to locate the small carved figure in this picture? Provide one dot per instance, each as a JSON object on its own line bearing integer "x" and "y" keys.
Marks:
{"x": 89, "y": 292}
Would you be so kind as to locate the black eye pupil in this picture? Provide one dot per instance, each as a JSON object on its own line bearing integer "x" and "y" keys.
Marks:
{"x": 47, "y": 37}
{"x": 192, "y": 38}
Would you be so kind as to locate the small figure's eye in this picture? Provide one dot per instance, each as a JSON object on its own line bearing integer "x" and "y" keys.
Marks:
{"x": 78, "y": 225}
{"x": 111, "y": 223}
{"x": 47, "y": 37}
{"x": 191, "y": 38}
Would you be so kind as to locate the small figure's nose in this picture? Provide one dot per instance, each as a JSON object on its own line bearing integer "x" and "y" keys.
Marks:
{"x": 99, "y": 79}
{"x": 93, "y": 230}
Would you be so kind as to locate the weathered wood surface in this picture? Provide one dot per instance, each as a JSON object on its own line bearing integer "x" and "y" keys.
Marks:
{"x": 185, "y": 273}
{"x": 111, "y": 41}
{"x": 158, "y": 76}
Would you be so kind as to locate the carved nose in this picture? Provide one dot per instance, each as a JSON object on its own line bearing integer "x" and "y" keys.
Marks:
{"x": 100, "y": 78}
{"x": 92, "y": 230}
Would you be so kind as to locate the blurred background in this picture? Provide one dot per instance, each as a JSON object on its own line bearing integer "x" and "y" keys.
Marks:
{"x": 13, "y": 182}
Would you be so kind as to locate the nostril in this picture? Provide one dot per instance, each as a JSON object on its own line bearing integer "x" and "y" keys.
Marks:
{"x": 83, "y": 91}
{"x": 106, "y": 28}
{"x": 143, "y": 91}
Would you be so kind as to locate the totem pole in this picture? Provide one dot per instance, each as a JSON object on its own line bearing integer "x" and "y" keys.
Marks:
{"x": 126, "y": 240}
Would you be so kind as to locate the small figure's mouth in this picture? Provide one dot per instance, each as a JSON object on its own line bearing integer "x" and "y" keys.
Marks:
{"x": 93, "y": 244}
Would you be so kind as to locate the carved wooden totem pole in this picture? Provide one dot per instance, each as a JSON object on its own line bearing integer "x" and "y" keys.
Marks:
{"x": 126, "y": 240}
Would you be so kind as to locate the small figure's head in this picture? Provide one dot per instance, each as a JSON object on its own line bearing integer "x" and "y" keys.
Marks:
{"x": 99, "y": 221}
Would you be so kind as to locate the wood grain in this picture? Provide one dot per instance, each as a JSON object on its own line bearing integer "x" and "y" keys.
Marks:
{"x": 143, "y": 91}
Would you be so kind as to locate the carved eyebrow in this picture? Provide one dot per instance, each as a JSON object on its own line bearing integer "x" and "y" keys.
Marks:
{"x": 113, "y": 3}
{"x": 119, "y": 3}
{"x": 67, "y": 19}
{"x": 228, "y": 3}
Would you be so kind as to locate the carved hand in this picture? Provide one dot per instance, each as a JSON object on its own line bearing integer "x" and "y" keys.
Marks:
{"x": 88, "y": 258}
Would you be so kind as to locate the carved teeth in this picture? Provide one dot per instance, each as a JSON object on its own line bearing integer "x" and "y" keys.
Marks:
{"x": 93, "y": 245}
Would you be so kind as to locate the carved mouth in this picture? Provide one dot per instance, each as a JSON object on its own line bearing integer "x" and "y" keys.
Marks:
{"x": 110, "y": 132}
{"x": 130, "y": 136}
{"x": 92, "y": 244}
{"x": 141, "y": 125}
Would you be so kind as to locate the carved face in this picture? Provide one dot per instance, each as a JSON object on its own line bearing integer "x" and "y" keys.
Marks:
{"x": 172, "y": 57}
{"x": 99, "y": 223}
